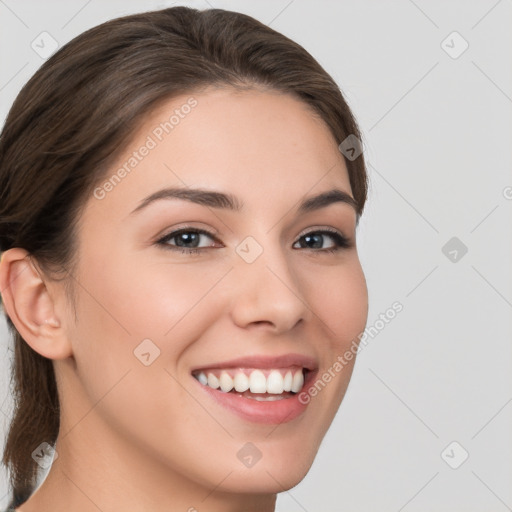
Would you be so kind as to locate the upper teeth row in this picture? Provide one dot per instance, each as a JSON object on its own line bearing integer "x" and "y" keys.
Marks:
{"x": 256, "y": 382}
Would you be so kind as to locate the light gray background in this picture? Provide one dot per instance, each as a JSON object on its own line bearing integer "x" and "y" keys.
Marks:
{"x": 438, "y": 133}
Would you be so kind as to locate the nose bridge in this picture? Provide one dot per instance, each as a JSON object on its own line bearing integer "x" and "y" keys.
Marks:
{"x": 267, "y": 289}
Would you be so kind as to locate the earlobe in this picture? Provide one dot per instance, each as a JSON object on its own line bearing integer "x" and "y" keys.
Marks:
{"x": 30, "y": 306}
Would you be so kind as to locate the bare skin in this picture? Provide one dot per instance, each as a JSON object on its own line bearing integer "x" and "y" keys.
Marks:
{"x": 149, "y": 438}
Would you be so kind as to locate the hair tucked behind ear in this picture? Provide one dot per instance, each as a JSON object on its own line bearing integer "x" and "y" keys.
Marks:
{"x": 75, "y": 116}
{"x": 36, "y": 416}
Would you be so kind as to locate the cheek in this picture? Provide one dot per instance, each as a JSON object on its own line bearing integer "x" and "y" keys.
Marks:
{"x": 339, "y": 298}
{"x": 129, "y": 301}
{"x": 172, "y": 303}
{"x": 340, "y": 302}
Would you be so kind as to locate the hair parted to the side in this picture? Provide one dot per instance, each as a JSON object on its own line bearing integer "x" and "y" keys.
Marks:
{"x": 74, "y": 117}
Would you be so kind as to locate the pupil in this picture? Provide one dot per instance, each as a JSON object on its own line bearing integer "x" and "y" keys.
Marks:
{"x": 314, "y": 241}
{"x": 189, "y": 239}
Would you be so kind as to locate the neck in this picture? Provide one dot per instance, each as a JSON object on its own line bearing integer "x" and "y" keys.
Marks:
{"x": 96, "y": 470}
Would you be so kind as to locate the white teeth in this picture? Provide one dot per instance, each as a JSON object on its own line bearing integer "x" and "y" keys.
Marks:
{"x": 226, "y": 382}
{"x": 275, "y": 383}
{"x": 257, "y": 382}
{"x": 213, "y": 382}
{"x": 241, "y": 382}
{"x": 298, "y": 382}
{"x": 287, "y": 383}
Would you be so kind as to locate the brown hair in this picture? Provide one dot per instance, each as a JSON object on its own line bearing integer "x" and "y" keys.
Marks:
{"x": 74, "y": 117}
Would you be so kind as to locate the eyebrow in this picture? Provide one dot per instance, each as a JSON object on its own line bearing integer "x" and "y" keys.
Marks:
{"x": 229, "y": 202}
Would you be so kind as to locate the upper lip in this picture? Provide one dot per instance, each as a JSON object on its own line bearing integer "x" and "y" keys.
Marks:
{"x": 263, "y": 362}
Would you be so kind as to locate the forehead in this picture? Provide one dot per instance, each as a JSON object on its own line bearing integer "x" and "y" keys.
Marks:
{"x": 258, "y": 145}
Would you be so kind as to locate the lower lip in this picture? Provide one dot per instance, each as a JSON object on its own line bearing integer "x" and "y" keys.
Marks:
{"x": 255, "y": 411}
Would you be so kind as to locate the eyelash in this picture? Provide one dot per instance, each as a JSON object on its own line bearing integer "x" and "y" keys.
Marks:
{"x": 341, "y": 241}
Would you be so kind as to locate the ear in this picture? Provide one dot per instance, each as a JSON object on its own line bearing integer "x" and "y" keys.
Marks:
{"x": 29, "y": 304}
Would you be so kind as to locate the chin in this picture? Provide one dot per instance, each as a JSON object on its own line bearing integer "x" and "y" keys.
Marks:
{"x": 271, "y": 479}
{"x": 276, "y": 471}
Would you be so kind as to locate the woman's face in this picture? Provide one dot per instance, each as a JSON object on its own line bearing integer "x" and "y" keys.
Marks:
{"x": 249, "y": 283}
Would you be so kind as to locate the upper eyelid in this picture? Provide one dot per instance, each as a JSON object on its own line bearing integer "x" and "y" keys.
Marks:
{"x": 186, "y": 229}
{"x": 317, "y": 229}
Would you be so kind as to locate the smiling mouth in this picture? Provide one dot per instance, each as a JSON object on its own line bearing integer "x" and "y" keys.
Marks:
{"x": 263, "y": 385}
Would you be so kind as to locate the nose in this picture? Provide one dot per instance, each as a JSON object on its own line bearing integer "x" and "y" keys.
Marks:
{"x": 267, "y": 293}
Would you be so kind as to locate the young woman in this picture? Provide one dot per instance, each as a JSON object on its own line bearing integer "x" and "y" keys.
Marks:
{"x": 180, "y": 194}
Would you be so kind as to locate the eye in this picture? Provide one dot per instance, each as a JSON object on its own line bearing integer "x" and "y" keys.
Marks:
{"x": 316, "y": 240}
{"x": 187, "y": 240}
